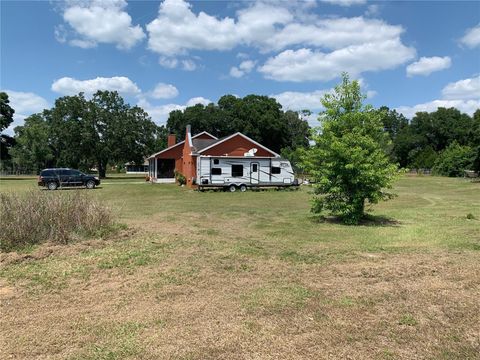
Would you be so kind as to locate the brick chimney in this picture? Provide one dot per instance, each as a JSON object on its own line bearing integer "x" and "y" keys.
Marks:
{"x": 171, "y": 140}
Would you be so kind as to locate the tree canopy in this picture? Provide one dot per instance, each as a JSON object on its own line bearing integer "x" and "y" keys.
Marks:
{"x": 83, "y": 133}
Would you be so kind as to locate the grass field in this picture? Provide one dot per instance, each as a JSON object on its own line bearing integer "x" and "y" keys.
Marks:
{"x": 252, "y": 276}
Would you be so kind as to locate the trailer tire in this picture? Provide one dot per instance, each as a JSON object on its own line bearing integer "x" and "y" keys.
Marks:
{"x": 243, "y": 188}
{"x": 232, "y": 188}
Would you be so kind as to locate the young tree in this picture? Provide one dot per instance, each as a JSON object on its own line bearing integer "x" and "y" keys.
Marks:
{"x": 348, "y": 161}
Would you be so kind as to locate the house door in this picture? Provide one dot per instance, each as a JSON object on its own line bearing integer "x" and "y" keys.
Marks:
{"x": 254, "y": 173}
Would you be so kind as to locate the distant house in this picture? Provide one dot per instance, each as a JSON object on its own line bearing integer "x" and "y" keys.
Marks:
{"x": 182, "y": 157}
{"x": 133, "y": 168}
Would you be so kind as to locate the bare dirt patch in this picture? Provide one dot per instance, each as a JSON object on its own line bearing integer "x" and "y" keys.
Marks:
{"x": 370, "y": 308}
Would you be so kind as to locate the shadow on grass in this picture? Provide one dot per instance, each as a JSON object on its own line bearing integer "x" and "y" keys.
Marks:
{"x": 65, "y": 188}
{"x": 367, "y": 220}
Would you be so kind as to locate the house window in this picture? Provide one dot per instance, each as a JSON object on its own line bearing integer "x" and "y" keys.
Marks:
{"x": 237, "y": 170}
{"x": 215, "y": 161}
{"x": 216, "y": 171}
{"x": 275, "y": 170}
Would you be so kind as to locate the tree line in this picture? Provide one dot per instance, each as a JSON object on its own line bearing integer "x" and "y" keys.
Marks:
{"x": 446, "y": 140}
{"x": 106, "y": 131}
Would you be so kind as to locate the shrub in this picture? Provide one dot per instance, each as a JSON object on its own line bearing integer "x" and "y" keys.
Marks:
{"x": 453, "y": 160}
{"x": 40, "y": 216}
{"x": 180, "y": 178}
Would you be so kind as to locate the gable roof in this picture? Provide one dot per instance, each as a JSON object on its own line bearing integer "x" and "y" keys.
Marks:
{"x": 181, "y": 142}
{"x": 220, "y": 141}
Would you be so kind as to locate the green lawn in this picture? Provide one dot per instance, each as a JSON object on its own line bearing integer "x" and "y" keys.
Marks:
{"x": 252, "y": 275}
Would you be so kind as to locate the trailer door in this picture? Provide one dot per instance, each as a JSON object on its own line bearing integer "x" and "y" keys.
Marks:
{"x": 254, "y": 173}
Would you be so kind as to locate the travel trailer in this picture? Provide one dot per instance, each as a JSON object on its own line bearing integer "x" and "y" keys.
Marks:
{"x": 242, "y": 172}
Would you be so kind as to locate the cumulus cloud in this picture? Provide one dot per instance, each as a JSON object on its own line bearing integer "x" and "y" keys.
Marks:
{"x": 313, "y": 65}
{"x": 471, "y": 37}
{"x": 466, "y": 106}
{"x": 159, "y": 113}
{"x": 71, "y": 86}
{"x": 245, "y": 67}
{"x": 198, "y": 100}
{"x": 463, "y": 95}
{"x": 463, "y": 89}
{"x": 99, "y": 21}
{"x": 294, "y": 100}
{"x": 426, "y": 65}
{"x": 24, "y": 104}
{"x": 177, "y": 29}
{"x": 330, "y": 45}
{"x": 266, "y": 26}
{"x": 164, "y": 91}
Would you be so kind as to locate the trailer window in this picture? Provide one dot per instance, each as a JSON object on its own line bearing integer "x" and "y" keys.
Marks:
{"x": 254, "y": 168}
{"x": 275, "y": 170}
{"x": 216, "y": 171}
{"x": 215, "y": 161}
{"x": 237, "y": 170}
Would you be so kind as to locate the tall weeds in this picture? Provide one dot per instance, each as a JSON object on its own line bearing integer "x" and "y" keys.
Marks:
{"x": 39, "y": 216}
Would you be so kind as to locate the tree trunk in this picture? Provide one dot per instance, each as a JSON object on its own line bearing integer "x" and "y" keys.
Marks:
{"x": 102, "y": 169}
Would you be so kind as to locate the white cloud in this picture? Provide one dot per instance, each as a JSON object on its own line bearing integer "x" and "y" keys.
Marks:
{"x": 159, "y": 113}
{"x": 294, "y": 100}
{"x": 70, "y": 86}
{"x": 236, "y": 72}
{"x": 164, "y": 91}
{"x": 466, "y": 106}
{"x": 372, "y": 10}
{"x": 426, "y": 65}
{"x": 188, "y": 65}
{"x": 177, "y": 29}
{"x": 463, "y": 89}
{"x": 471, "y": 37}
{"x": 82, "y": 43}
{"x": 100, "y": 21}
{"x": 307, "y": 65}
{"x": 60, "y": 34}
{"x": 266, "y": 26}
{"x": 463, "y": 95}
{"x": 167, "y": 62}
{"x": 345, "y": 2}
{"x": 198, "y": 100}
{"x": 24, "y": 104}
{"x": 245, "y": 67}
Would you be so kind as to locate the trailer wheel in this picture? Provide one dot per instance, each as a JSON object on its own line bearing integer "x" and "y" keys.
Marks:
{"x": 243, "y": 188}
{"x": 232, "y": 188}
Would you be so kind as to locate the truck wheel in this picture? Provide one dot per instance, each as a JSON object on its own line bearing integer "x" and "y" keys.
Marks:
{"x": 52, "y": 185}
{"x": 232, "y": 188}
{"x": 243, "y": 188}
{"x": 90, "y": 184}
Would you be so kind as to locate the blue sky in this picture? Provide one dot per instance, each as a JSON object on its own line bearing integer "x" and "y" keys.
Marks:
{"x": 411, "y": 56}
